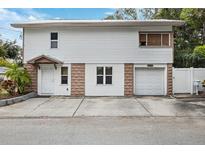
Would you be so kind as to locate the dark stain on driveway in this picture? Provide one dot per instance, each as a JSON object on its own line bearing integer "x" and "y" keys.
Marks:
{"x": 194, "y": 107}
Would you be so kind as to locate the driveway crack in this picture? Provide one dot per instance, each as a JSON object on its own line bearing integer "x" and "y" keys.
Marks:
{"x": 38, "y": 106}
{"x": 78, "y": 106}
{"x": 144, "y": 107}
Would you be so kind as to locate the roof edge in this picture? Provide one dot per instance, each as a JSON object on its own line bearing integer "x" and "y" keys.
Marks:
{"x": 53, "y": 60}
{"x": 84, "y": 23}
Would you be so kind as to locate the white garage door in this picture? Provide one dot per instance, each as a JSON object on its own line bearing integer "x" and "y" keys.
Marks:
{"x": 149, "y": 81}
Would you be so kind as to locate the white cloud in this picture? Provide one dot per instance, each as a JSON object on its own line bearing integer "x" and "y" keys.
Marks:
{"x": 108, "y": 13}
{"x": 8, "y": 16}
{"x": 32, "y": 18}
{"x": 57, "y": 18}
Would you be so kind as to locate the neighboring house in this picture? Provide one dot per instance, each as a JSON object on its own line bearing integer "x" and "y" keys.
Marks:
{"x": 99, "y": 57}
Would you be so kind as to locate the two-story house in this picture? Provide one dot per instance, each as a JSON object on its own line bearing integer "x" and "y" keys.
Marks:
{"x": 99, "y": 57}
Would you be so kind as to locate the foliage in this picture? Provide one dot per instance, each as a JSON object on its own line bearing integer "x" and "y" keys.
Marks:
{"x": 148, "y": 13}
{"x": 9, "y": 86}
{"x": 187, "y": 37}
{"x": 167, "y": 13}
{"x": 2, "y": 52}
{"x": 124, "y": 14}
{"x": 19, "y": 75}
{"x": 4, "y": 63}
{"x": 200, "y": 51}
{"x": 10, "y": 50}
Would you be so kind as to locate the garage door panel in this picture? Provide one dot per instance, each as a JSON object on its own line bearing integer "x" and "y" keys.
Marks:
{"x": 149, "y": 81}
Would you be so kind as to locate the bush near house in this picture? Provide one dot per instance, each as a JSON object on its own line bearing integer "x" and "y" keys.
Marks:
{"x": 18, "y": 79}
{"x": 200, "y": 51}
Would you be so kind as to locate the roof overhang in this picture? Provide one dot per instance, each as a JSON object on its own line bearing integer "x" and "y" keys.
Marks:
{"x": 43, "y": 59}
{"x": 100, "y": 23}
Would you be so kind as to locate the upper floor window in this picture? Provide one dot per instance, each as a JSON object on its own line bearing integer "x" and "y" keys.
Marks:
{"x": 54, "y": 40}
{"x": 154, "y": 39}
{"x": 104, "y": 75}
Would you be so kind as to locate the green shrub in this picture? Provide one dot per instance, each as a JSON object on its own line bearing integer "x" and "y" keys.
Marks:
{"x": 4, "y": 63}
{"x": 200, "y": 51}
{"x": 19, "y": 75}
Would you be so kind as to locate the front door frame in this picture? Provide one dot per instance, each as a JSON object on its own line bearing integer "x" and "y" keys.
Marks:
{"x": 40, "y": 68}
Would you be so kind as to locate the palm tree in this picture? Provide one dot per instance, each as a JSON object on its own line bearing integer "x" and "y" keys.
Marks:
{"x": 19, "y": 75}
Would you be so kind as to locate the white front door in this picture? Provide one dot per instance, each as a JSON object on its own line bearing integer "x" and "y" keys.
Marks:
{"x": 47, "y": 80}
{"x": 149, "y": 81}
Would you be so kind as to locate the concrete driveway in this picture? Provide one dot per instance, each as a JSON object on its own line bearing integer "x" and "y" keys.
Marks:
{"x": 103, "y": 106}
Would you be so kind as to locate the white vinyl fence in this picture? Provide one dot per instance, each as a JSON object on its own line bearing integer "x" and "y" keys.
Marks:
{"x": 183, "y": 79}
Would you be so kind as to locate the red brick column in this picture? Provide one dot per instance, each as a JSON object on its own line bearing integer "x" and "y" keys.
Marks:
{"x": 128, "y": 80}
{"x": 169, "y": 80}
{"x": 32, "y": 70}
{"x": 77, "y": 79}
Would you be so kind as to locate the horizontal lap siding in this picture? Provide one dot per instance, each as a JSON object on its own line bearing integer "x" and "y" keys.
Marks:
{"x": 114, "y": 89}
{"x": 95, "y": 45}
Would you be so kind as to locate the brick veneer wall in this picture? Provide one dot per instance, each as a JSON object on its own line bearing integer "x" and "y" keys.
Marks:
{"x": 77, "y": 79}
{"x": 32, "y": 70}
{"x": 169, "y": 80}
{"x": 128, "y": 77}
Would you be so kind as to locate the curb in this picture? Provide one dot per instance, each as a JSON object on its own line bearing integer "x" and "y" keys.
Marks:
{"x": 81, "y": 117}
{"x": 18, "y": 99}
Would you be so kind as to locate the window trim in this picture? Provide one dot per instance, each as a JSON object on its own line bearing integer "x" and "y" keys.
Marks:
{"x": 155, "y": 46}
{"x": 104, "y": 76}
{"x": 101, "y": 75}
{"x": 54, "y": 40}
{"x": 63, "y": 75}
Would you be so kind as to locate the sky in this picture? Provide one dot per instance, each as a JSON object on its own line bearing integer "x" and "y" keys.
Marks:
{"x": 8, "y": 16}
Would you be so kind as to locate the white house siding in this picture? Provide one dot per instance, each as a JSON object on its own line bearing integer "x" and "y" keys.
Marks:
{"x": 59, "y": 89}
{"x": 95, "y": 45}
{"x": 117, "y": 87}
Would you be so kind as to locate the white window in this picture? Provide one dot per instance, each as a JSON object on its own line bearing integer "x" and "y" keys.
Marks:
{"x": 54, "y": 40}
{"x": 64, "y": 75}
{"x": 104, "y": 75}
{"x": 154, "y": 39}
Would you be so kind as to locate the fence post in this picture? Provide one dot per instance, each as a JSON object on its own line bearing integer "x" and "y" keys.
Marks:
{"x": 192, "y": 80}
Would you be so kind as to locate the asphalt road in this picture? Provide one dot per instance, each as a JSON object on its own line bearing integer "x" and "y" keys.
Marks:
{"x": 103, "y": 130}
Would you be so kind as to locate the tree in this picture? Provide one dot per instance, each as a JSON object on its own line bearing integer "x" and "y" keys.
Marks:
{"x": 19, "y": 75}
{"x": 148, "y": 13}
{"x": 195, "y": 19}
{"x": 124, "y": 14}
{"x": 168, "y": 13}
{"x": 2, "y": 52}
{"x": 10, "y": 50}
{"x": 188, "y": 36}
